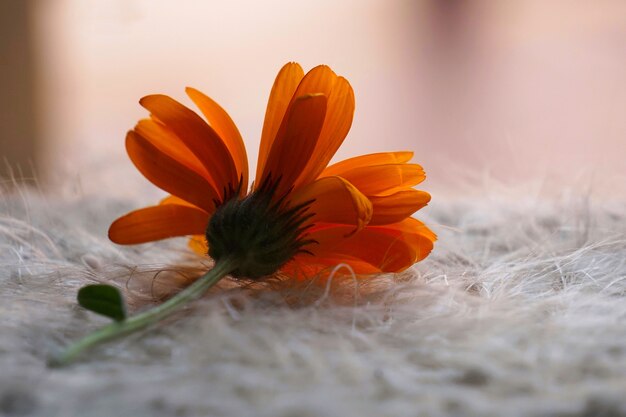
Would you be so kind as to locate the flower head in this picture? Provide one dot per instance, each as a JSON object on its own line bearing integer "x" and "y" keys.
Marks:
{"x": 300, "y": 216}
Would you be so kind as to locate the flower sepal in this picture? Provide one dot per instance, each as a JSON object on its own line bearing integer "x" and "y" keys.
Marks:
{"x": 261, "y": 232}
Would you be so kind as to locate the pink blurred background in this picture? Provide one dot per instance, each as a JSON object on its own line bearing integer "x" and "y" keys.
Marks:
{"x": 512, "y": 90}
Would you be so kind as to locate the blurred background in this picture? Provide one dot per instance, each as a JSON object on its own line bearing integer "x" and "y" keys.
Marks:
{"x": 509, "y": 90}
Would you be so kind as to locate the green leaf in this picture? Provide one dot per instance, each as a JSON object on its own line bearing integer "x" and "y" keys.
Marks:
{"x": 103, "y": 299}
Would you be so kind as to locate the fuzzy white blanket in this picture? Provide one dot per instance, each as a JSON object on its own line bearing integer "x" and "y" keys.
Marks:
{"x": 520, "y": 311}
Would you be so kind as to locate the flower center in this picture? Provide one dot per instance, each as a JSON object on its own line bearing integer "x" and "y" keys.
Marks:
{"x": 261, "y": 232}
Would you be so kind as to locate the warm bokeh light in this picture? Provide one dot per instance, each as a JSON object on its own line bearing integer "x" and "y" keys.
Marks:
{"x": 516, "y": 89}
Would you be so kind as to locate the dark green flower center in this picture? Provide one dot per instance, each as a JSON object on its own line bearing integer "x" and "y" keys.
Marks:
{"x": 260, "y": 231}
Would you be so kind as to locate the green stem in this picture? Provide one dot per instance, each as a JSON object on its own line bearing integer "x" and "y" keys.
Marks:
{"x": 148, "y": 317}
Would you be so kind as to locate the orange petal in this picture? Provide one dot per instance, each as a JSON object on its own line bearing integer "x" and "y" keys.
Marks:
{"x": 226, "y": 129}
{"x": 295, "y": 141}
{"x": 199, "y": 137}
{"x": 168, "y": 174}
{"x": 320, "y": 80}
{"x": 384, "y": 179}
{"x": 284, "y": 86}
{"x": 387, "y": 248}
{"x": 335, "y": 200}
{"x": 339, "y": 115}
{"x": 304, "y": 266}
{"x": 413, "y": 226}
{"x": 198, "y": 244}
{"x": 167, "y": 142}
{"x": 397, "y": 207}
{"x": 383, "y": 158}
{"x": 172, "y": 199}
{"x": 158, "y": 222}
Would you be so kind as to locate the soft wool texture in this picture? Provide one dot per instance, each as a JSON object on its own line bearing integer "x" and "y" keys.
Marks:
{"x": 520, "y": 311}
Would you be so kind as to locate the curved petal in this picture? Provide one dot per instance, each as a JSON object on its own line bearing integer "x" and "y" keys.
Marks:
{"x": 391, "y": 249}
{"x": 397, "y": 206}
{"x": 295, "y": 141}
{"x": 157, "y": 222}
{"x": 339, "y": 115}
{"x": 199, "y": 137}
{"x": 167, "y": 142}
{"x": 281, "y": 95}
{"x": 413, "y": 226}
{"x": 335, "y": 200}
{"x": 382, "y": 158}
{"x": 384, "y": 179}
{"x": 304, "y": 266}
{"x": 168, "y": 174}
{"x": 219, "y": 120}
{"x": 320, "y": 80}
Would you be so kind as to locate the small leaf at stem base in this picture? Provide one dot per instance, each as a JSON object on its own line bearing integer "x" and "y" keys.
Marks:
{"x": 103, "y": 299}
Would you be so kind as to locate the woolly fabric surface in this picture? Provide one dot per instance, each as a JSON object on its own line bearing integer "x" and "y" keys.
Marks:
{"x": 519, "y": 311}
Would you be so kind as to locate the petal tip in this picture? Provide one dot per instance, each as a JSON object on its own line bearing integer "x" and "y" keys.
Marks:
{"x": 113, "y": 233}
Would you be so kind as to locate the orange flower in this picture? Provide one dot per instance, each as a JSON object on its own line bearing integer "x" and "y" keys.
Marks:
{"x": 300, "y": 216}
